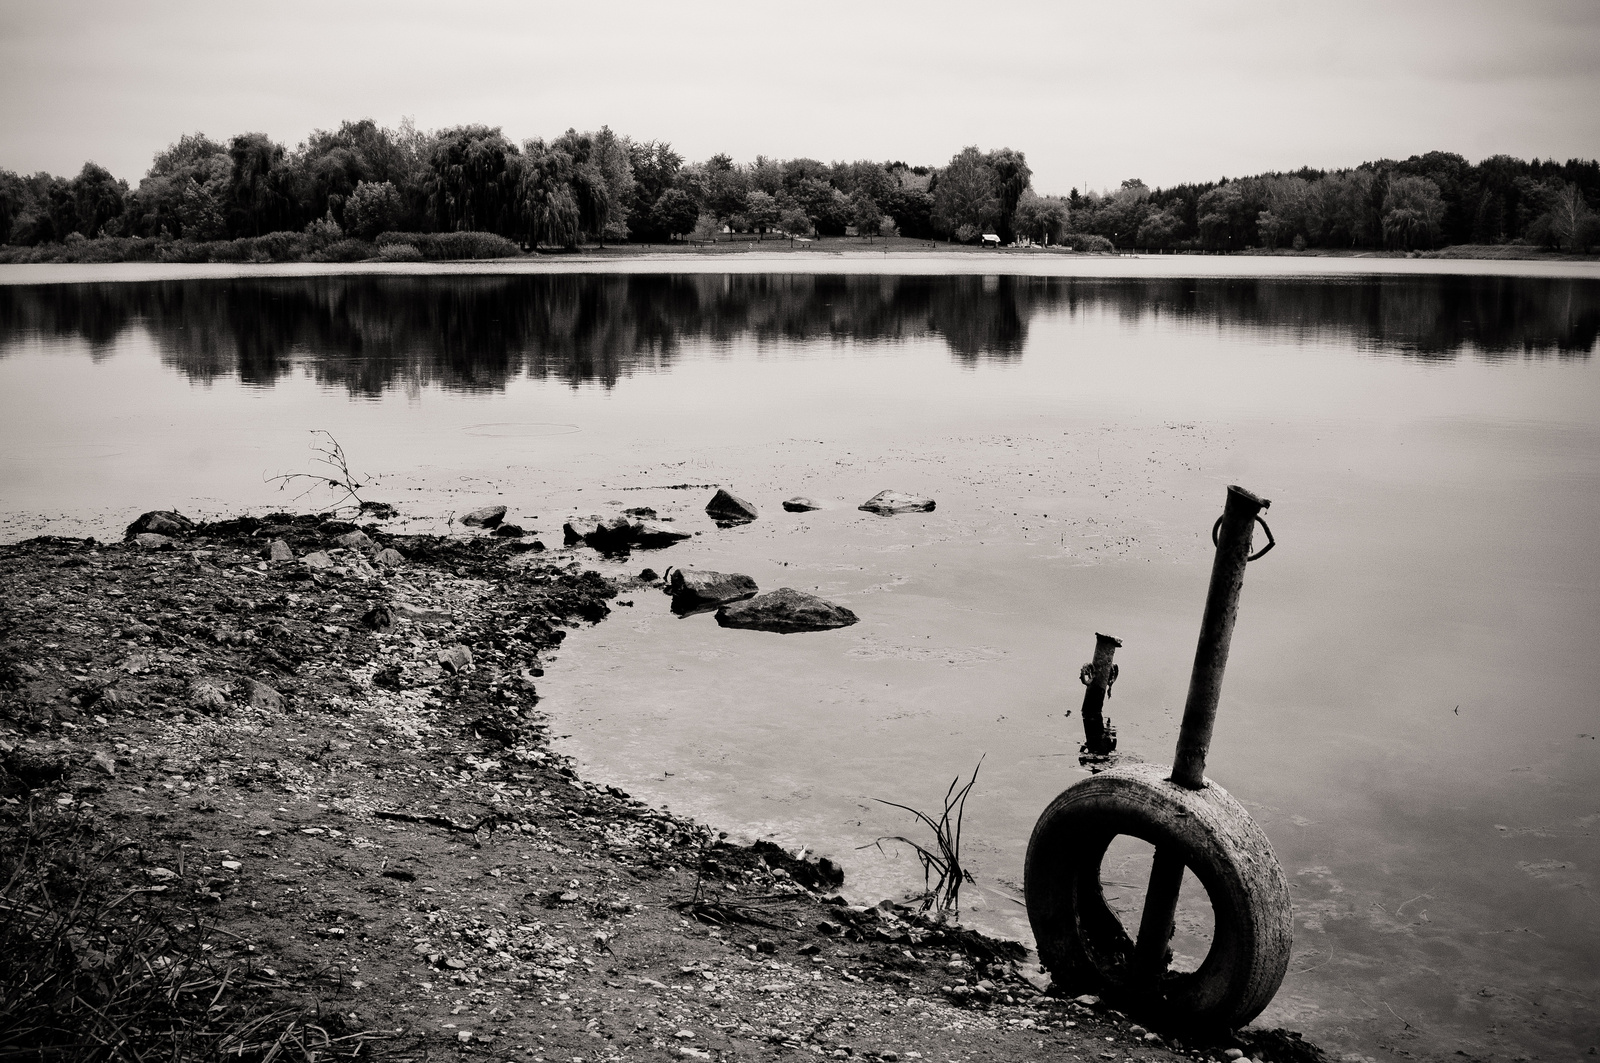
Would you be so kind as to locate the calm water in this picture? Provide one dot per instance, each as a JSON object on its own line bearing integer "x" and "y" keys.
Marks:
{"x": 1411, "y": 704}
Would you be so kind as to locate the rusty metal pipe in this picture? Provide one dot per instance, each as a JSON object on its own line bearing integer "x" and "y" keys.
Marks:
{"x": 1216, "y": 632}
{"x": 1232, "y": 534}
{"x": 1098, "y": 677}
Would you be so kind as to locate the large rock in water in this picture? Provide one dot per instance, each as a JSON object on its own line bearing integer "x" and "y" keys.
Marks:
{"x": 606, "y": 534}
{"x": 160, "y": 522}
{"x": 693, "y": 589}
{"x": 888, "y": 502}
{"x": 785, "y": 609}
{"x": 729, "y": 507}
{"x": 615, "y": 534}
{"x": 487, "y": 517}
{"x": 799, "y": 504}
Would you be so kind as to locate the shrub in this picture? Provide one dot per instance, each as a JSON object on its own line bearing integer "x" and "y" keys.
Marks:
{"x": 324, "y": 231}
{"x": 399, "y": 252}
{"x": 966, "y": 233}
{"x": 436, "y": 247}
{"x": 1089, "y": 242}
{"x": 344, "y": 251}
{"x": 372, "y": 208}
{"x": 108, "y": 249}
{"x": 280, "y": 246}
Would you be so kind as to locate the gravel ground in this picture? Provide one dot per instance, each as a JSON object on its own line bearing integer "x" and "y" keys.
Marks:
{"x": 332, "y": 766}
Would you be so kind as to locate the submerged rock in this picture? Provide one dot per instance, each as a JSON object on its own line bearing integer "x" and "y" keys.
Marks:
{"x": 160, "y": 522}
{"x": 799, "y": 504}
{"x": 729, "y": 507}
{"x": 653, "y": 534}
{"x": 379, "y": 510}
{"x": 699, "y": 589}
{"x": 786, "y": 610}
{"x": 487, "y": 517}
{"x": 510, "y": 531}
{"x": 889, "y": 502}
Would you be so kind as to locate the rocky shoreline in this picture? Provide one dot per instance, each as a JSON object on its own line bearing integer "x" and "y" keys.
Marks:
{"x": 311, "y": 751}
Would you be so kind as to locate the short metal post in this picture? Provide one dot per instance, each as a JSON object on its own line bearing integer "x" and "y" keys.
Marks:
{"x": 1099, "y": 738}
{"x": 1232, "y": 535}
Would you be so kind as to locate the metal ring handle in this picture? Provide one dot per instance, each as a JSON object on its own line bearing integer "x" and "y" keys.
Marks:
{"x": 1271, "y": 542}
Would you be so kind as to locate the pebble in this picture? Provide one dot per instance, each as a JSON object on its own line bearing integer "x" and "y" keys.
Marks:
{"x": 455, "y": 658}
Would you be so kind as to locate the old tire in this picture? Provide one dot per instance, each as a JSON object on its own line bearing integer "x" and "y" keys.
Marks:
{"x": 1084, "y": 945}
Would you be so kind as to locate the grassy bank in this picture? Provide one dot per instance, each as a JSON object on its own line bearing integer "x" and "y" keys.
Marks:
{"x": 465, "y": 246}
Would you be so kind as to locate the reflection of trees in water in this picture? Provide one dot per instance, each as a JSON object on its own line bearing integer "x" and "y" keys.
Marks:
{"x": 369, "y": 334}
{"x": 1427, "y": 316}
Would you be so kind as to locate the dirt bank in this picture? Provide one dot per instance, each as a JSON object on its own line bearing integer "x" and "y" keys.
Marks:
{"x": 312, "y": 802}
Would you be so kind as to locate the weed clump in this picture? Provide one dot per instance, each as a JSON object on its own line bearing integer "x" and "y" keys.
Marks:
{"x": 942, "y": 872}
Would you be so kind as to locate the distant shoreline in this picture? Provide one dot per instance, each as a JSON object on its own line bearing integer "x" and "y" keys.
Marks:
{"x": 898, "y": 257}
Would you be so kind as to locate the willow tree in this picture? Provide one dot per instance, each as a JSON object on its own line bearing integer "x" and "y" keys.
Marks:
{"x": 1011, "y": 178}
{"x": 257, "y": 185}
{"x": 547, "y": 209}
{"x": 472, "y": 181}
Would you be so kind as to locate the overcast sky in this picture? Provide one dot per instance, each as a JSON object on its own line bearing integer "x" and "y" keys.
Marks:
{"x": 1093, "y": 93}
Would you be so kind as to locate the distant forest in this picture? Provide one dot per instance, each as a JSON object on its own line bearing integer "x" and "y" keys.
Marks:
{"x": 363, "y": 191}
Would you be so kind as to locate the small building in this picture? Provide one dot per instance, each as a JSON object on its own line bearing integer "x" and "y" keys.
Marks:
{"x": 991, "y": 240}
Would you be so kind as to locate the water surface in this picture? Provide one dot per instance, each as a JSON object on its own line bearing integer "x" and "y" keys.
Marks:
{"x": 1411, "y": 701}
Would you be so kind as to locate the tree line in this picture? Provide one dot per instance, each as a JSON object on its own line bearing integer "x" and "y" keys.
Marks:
{"x": 342, "y": 192}
{"x": 1426, "y": 201}
{"x": 362, "y": 180}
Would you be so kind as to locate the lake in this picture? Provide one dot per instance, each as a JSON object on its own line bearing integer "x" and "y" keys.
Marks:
{"x": 1413, "y": 695}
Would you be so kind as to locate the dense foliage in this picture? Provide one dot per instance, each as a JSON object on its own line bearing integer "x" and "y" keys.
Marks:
{"x": 340, "y": 194}
{"x": 1425, "y": 201}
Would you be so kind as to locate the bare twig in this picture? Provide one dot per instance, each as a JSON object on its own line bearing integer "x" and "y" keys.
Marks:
{"x": 335, "y": 474}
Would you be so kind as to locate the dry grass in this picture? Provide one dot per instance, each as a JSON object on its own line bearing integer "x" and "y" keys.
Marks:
{"x": 99, "y": 968}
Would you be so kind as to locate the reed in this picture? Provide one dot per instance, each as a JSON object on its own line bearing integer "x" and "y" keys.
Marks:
{"x": 942, "y": 872}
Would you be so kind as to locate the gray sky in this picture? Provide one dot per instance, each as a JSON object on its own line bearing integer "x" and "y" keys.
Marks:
{"x": 1093, "y": 93}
